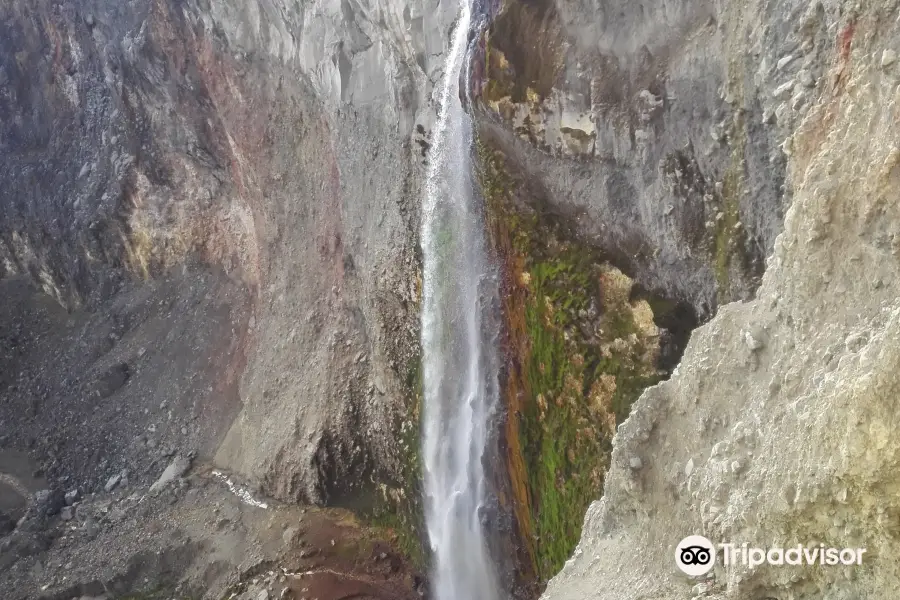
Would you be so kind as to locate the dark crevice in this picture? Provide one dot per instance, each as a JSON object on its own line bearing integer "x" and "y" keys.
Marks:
{"x": 676, "y": 320}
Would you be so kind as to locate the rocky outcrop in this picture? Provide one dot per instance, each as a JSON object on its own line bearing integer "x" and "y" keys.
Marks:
{"x": 775, "y": 429}
{"x": 652, "y": 129}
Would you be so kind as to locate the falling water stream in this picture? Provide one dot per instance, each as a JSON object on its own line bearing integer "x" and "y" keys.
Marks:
{"x": 458, "y": 344}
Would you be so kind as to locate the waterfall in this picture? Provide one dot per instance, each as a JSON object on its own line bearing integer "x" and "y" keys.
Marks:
{"x": 458, "y": 343}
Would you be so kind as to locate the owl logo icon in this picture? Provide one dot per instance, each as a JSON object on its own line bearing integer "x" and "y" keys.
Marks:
{"x": 695, "y": 555}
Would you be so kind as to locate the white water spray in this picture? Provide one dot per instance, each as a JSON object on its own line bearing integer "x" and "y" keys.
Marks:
{"x": 458, "y": 339}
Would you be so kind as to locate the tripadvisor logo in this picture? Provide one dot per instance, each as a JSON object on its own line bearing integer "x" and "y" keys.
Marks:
{"x": 695, "y": 555}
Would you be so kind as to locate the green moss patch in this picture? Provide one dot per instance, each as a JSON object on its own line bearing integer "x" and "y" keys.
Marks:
{"x": 581, "y": 386}
{"x": 585, "y": 354}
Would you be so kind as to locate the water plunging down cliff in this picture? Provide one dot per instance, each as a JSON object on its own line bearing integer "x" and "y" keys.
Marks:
{"x": 210, "y": 215}
{"x": 458, "y": 342}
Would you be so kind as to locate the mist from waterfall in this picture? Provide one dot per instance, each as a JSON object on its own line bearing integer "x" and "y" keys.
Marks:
{"x": 458, "y": 342}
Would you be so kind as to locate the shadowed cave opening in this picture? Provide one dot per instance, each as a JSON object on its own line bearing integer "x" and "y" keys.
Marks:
{"x": 676, "y": 320}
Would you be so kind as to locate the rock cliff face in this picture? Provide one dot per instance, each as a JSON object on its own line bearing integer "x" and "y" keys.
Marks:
{"x": 775, "y": 428}
{"x": 269, "y": 140}
{"x": 221, "y": 198}
{"x": 224, "y": 196}
{"x": 642, "y": 124}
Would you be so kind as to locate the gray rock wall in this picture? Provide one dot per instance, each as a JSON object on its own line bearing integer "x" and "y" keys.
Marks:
{"x": 658, "y": 137}
{"x": 273, "y": 140}
{"x": 775, "y": 428}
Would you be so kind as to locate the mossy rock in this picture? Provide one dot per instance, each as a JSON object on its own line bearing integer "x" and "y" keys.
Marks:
{"x": 582, "y": 350}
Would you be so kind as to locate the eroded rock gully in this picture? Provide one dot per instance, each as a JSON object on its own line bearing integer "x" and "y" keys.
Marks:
{"x": 208, "y": 248}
